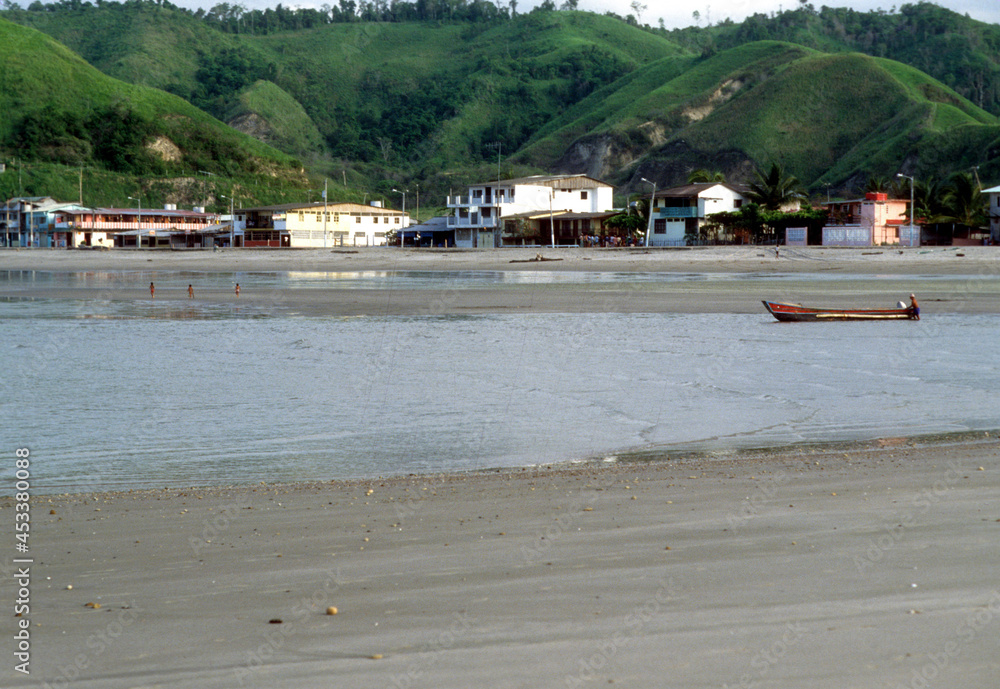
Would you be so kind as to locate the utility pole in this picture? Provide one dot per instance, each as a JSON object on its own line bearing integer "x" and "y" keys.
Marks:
{"x": 912, "y": 209}
{"x": 652, "y": 202}
{"x": 326, "y": 213}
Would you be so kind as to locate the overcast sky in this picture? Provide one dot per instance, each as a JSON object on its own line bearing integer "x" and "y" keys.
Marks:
{"x": 677, "y": 14}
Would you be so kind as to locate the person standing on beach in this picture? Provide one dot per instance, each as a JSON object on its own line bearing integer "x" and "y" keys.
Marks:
{"x": 190, "y": 292}
{"x": 237, "y": 289}
{"x": 152, "y": 291}
{"x": 914, "y": 308}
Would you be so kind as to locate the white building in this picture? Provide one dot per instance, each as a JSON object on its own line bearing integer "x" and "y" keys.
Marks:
{"x": 679, "y": 213}
{"x": 318, "y": 225}
{"x": 994, "y": 213}
{"x": 478, "y": 218}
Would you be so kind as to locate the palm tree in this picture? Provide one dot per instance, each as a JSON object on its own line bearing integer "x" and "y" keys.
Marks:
{"x": 877, "y": 183}
{"x": 964, "y": 203}
{"x": 774, "y": 189}
{"x": 702, "y": 176}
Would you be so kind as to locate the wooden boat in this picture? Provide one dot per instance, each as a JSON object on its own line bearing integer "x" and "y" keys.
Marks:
{"x": 797, "y": 312}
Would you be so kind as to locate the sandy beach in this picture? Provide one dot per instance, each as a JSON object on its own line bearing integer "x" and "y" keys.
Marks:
{"x": 866, "y": 566}
{"x": 968, "y": 278}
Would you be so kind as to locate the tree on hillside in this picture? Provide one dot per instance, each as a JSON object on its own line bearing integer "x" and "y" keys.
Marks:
{"x": 773, "y": 189}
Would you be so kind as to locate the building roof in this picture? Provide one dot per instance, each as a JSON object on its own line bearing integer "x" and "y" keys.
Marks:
{"x": 342, "y": 207}
{"x": 695, "y": 189}
{"x": 992, "y": 190}
{"x": 148, "y": 212}
{"x": 560, "y": 214}
{"x": 572, "y": 181}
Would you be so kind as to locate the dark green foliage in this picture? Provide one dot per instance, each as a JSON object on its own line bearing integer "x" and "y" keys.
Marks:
{"x": 759, "y": 226}
{"x": 53, "y": 133}
{"x": 773, "y": 189}
{"x": 119, "y": 135}
{"x": 222, "y": 74}
{"x": 115, "y": 136}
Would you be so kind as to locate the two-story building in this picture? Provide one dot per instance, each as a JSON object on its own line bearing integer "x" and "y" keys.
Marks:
{"x": 870, "y": 221}
{"x": 25, "y": 221}
{"x": 538, "y": 208}
{"x": 318, "y": 225}
{"x": 679, "y": 214}
{"x": 133, "y": 227}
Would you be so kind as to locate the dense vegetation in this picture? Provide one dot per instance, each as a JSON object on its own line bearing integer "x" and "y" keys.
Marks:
{"x": 438, "y": 92}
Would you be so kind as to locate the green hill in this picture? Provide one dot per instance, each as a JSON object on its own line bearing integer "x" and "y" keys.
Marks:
{"x": 438, "y": 97}
{"x": 60, "y": 111}
{"x": 828, "y": 118}
{"x": 268, "y": 113}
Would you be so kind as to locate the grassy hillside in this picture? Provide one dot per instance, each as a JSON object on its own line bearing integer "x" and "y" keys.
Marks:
{"x": 377, "y": 104}
{"x": 960, "y": 52}
{"x": 57, "y": 109}
{"x": 826, "y": 118}
{"x": 267, "y": 112}
{"x": 382, "y": 93}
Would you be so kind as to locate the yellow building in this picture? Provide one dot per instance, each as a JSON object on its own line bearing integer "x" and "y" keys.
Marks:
{"x": 318, "y": 225}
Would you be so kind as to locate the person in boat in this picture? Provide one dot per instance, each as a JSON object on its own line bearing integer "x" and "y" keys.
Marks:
{"x": 914, "y": 308}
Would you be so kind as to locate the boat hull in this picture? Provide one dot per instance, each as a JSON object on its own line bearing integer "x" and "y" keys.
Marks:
{"x": 797, "y": 312}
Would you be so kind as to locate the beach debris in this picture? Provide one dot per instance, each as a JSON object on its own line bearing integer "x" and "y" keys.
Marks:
{"x": 376, "y": 656}
{"x": 332, "y": 610}
{"x": 275, "y": 620}
{"x": 538, "y": 258}
{"x": 69, "y": 587}
{"x": 93, "y": 606}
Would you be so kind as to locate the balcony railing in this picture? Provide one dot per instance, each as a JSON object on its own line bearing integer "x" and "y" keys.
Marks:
{"x": 486, "y": 200}
{"x": 688, "y": 212}
{"x": 472, "y": 221}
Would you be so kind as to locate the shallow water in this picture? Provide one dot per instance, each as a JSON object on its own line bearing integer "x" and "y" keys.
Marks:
{"x": 121, "y": 394}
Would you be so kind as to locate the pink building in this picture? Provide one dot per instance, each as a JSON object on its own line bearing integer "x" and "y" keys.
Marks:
{"x": 874, "y": 220}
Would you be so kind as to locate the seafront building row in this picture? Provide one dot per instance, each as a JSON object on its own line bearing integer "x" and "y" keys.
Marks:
{"x": 542, "y": 210}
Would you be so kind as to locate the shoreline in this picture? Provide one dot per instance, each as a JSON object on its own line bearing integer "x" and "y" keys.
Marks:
{"x": 973, "y": 260}
{"x": 619, "y": 573}
{"x": 970, "y": 440}
{"x": 946, "y": 283}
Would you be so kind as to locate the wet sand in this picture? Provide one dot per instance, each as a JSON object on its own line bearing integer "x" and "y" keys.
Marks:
{"x": 822, "y": 568}
{"x": 866, "y": 566}
{"x": 967, "y": 280}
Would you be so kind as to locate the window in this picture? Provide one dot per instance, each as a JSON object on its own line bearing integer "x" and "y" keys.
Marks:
{"x": 357, "y": 219}
{"x": 319, "y": 216}
{"x": 737, "y": 203}
{"x": 397, "y": 219}
{"x": 385, "y": 219}
{"x": 660, "y": 226}
{"x": 477, "y": 193}
{"x": 583, "y": 196}
{"x": 302, "y": 217}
